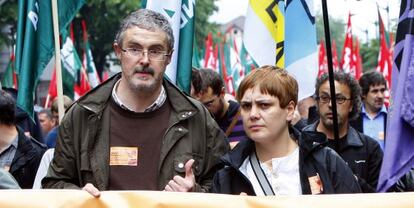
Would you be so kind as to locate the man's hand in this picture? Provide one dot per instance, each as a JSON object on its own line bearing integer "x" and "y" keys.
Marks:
{"x": 180, "y": 184}
{"x": 90, "y": 188}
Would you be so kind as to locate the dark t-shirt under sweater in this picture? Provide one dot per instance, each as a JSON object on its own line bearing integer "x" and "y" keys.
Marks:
{"x": 135, "y": 146}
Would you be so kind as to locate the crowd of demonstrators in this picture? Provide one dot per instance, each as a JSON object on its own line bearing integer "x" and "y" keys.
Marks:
{"x": 373, "y": 117}
{"x": 278, "y": 159}
{"x": 50, "y": 138}
{"x": 20, "y": 155}
{"x": 137, "y": 131}
{"x": 209, "y": 89}
{"x": 361, "y": 152}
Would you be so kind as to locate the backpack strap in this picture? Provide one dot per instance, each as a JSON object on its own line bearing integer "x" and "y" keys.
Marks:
{"x": 233, "y": 123}
{"x": 261, "y": 177}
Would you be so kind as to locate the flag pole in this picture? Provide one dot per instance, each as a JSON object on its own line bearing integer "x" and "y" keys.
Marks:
{"x": 57, "y": 59}
{"x": 330, "y": 69}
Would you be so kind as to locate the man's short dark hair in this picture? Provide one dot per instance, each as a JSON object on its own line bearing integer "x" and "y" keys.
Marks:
{"x": 196, "y": 80}
{"x": 348, "y": 80}
{"x": 7, "y": 108}
{"x": 371, "y": 78}
{"x": 47, "y": 112}
{"x": 209, "y": 78}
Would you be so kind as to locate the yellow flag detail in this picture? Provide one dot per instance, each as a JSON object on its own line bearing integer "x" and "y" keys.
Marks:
{"x": 272, "y": 17}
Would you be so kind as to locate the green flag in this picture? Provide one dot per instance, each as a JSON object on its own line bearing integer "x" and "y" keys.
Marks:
{"x": 71, "y": 65}
{"x": 7, "y": 80}
{"x": 185, "y": 50}
{"x": 35, "y": 43}
{"x": 181, "y": 16}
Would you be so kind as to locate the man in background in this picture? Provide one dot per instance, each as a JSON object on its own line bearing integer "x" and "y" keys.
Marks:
{"x": 47, "y": 122}
{"x": 20, "y": 155}
{"x": 372, "y": 120}
{"x": 361, "y": 152}
{"x": 208, "y": 88}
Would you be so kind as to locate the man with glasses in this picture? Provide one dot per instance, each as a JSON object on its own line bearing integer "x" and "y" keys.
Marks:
{"x": 137, "y": 131}
{"x": 211, "y": 93}
{"x": 362, "y": 153}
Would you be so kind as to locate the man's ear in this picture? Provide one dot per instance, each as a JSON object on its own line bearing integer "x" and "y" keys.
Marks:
{"x": 117, "y": 50}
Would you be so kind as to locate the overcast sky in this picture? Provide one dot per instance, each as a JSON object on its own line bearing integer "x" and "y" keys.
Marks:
{"x": 365, "y": 12}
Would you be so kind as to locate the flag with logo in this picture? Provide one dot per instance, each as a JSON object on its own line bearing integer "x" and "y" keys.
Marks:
{"x": 358, "y": 61}
{"x": 35, "y": 43}
{"x": 301, "y": 50}
{"x": 181, "y": 15}
{"x": 73, "y": 75}
{"x": 347, "y": 52}
{"x": 399, "y": 143}
{"x": 264, "y": 32}
{"x": 335, "y": 56}
{"x": 384, "y": 61}
{"x": 322, "y": 60}
{"x": 87, "y": 62}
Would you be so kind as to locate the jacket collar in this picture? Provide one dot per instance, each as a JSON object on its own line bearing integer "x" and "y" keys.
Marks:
{"x": 95, "y": 99}
{"x": 352, "y": 138}
{"x": 24, "y": 152}
{"x": 308, "y": 142}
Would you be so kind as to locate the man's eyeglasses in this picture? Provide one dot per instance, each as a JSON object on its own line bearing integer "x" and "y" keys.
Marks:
{"x": 326, "y": 99}
{"x": 153, "y": 55}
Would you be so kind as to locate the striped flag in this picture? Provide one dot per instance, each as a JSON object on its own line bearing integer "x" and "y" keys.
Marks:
{"x": 264, "y": 32}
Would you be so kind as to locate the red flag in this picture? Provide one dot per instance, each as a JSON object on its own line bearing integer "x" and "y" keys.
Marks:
{"x": 346, "y": 61}
{"x": 335, "y": 56}
{"x": 52, "y": 92}
{"x": 323, "y": 64}
{"x": 209, "y": 54}
{"x": 83, "y": 86}
{"x": 384, "y": 58}
{"x": 358, "y": 66}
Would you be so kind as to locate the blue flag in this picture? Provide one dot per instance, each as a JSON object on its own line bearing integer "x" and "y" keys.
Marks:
{"x": 399, "y": 145}
{"x": 301, "y": 51}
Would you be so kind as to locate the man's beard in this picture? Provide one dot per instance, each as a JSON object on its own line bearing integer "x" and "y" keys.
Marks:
{"x": 218, "y": 114}
{"x": 148, "y": 88}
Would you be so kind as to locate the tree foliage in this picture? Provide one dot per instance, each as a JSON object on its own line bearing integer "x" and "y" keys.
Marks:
{"x": 102, "y": 19}
{"x": 204, "y": 9}
{"x": 8, "y": 22}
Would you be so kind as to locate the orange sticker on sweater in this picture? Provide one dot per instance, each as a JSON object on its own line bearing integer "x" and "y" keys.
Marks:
{"x": 125, "y": 156}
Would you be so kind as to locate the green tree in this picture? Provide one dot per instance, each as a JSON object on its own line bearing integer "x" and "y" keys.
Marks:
{"x": 8, "y": 21}
{"x": 204, "y": 9}
{"x": 102, "y": 19}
